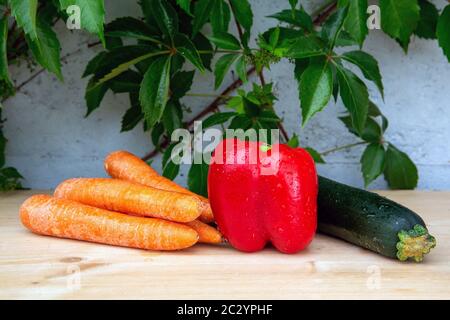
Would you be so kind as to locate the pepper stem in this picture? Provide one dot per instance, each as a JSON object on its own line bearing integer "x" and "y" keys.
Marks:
{"x": 414, "y": 243}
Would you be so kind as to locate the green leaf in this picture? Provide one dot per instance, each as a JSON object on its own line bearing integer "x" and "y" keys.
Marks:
{"x": 46, "y": 48}
{"x": 400, "y": 172}
{"x": 217, "y": 118}
{"x": 429, "y": 16}
{"x": 356, "y": 22}
{"x": 443, "y": 31}
{"x": 6, "y": 85}
{"x": 299, "y": 18}
{"x": 371, "y": 133}
{"x": 243, "y": 13}
{"x": 92, "y": 15}
{"x": 94, "y": 95}
{"x": 222, "y": 67}
{"x": 120, "y": 59}
{"x": 24, "y": 11}
{"x": 171, "y": 170}
{"x": 131, "y": 28}
{"x": 165, "y": 16}
{"x": 293, "y": 3}
{"x": 294, "y": 141}
{"x": 241, "y": 68}
{"x": 10, "y": 179}
{"x": 172, "y": 116}
{"x": 157, "y": 132}
{"x": 305, "y": 47}
{"x": 220, "y": 16}
{"x": 185, "y": 5}
{"x": 372, "y": 162}
{"x": 129, "y": 81}
{"x": 300, "y": 67}
{"x": 181, "y": 83}
{"x": 133, "y": 115}
{"x": 374, "y": 111}
{"x": 316, "y": 86}
{"x": 368, "y": 66}
{"x": 241, "y": 121}
{"x": 315, "y": 155}
{"x": 187, "y": 49}
{"x": 226, "y": 41}
{"x": 203, "y": 44}
{"x": 202, "y": 11}
{"x": 333, "y": 26}
{"x": 198, "y": 179}
{"x": 155, "y": 90}
{"x": 399, "y": 19}
{"x": 355, "y": 96}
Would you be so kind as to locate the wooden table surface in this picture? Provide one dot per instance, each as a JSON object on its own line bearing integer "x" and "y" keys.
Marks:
{"x": 38, "y": 267}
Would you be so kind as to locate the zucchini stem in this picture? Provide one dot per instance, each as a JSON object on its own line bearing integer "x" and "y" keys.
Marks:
{"x": 414, "y": 243}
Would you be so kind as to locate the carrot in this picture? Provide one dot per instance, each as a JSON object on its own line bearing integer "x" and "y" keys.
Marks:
{"x": 206, "y": 233}
{"x": 126, "y": 166}
{"x": 128, "y": 197}
{"x": 64, "y": 218}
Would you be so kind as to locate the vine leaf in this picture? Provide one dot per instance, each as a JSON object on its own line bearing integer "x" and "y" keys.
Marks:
{"x": 429, "y": 16}
{"x": 399, "y": 19}
{"x": 224, "y": 40}
{"x": 217, "y": 118}
{"x": 187, "y": 49}
{"x": 6, "y": 85}
{"x": 181, "y": 83}
{"x": 241, "y": 68}
{"x": 172, "y": 116}
{"x": 92, "y": 15}
{"x": 355, "y": 96}
{"x": 197, "y": 178}
{"x": 220, "y": 16}
{"x": 46, "y": 48}
{"x": 25, "y": 14}
{"x": 94, "y": 95}
{"x": 333, "y": 26}
{"x": 222, "y": 67}
{"x": 304, "y": 47}
{"x": 443, "y": 31}
{"x": 131, "y": 28}
{"x": 155, "y": 90}
{"x": 316, "y": 86}
{"x": 372, "y": 162}
{"x": 298, "y": 18}
{"x": 165, "y": 16}
{"x": 315, "y": 155}
{"x": 368, "y": 66}
{"x": 202, "y": 11}
{"x": 133, "y": 115}
{"x": 356, "y": 22}
{"x": 185, "y": 5}
{"x": 243, "y": 13}
{"x": 400, "y": 172}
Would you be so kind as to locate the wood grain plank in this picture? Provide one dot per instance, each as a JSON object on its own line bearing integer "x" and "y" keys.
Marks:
{"x": 33, "y": 266}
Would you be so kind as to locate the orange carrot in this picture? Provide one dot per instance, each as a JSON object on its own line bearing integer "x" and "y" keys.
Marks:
{"x": 63, "y": 218}
{"x": 206, "y": 233}
{"x": 126, "y": 166}
{"x": 128, "y": 197}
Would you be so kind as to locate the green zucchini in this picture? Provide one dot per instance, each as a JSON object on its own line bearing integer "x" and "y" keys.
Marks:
{"x": 372, "y": 222}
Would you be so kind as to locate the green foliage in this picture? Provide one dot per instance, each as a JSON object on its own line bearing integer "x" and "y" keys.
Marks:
{"x": 154, "y": 61}
{"x": 443, "y": 31}
{"x": 399, "y": 19}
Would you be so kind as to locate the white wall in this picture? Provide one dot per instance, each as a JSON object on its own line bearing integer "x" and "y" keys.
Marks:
{"x": 49, "y": 140}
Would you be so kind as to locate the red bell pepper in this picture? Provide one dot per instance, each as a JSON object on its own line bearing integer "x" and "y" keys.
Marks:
{"x": 253, "y": 205}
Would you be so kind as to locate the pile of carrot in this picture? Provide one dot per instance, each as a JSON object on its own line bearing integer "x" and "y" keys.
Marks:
{"x": 135, "y": 208}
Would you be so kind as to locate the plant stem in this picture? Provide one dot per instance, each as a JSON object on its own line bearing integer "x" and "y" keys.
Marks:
{"x": 347, "y": 146}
